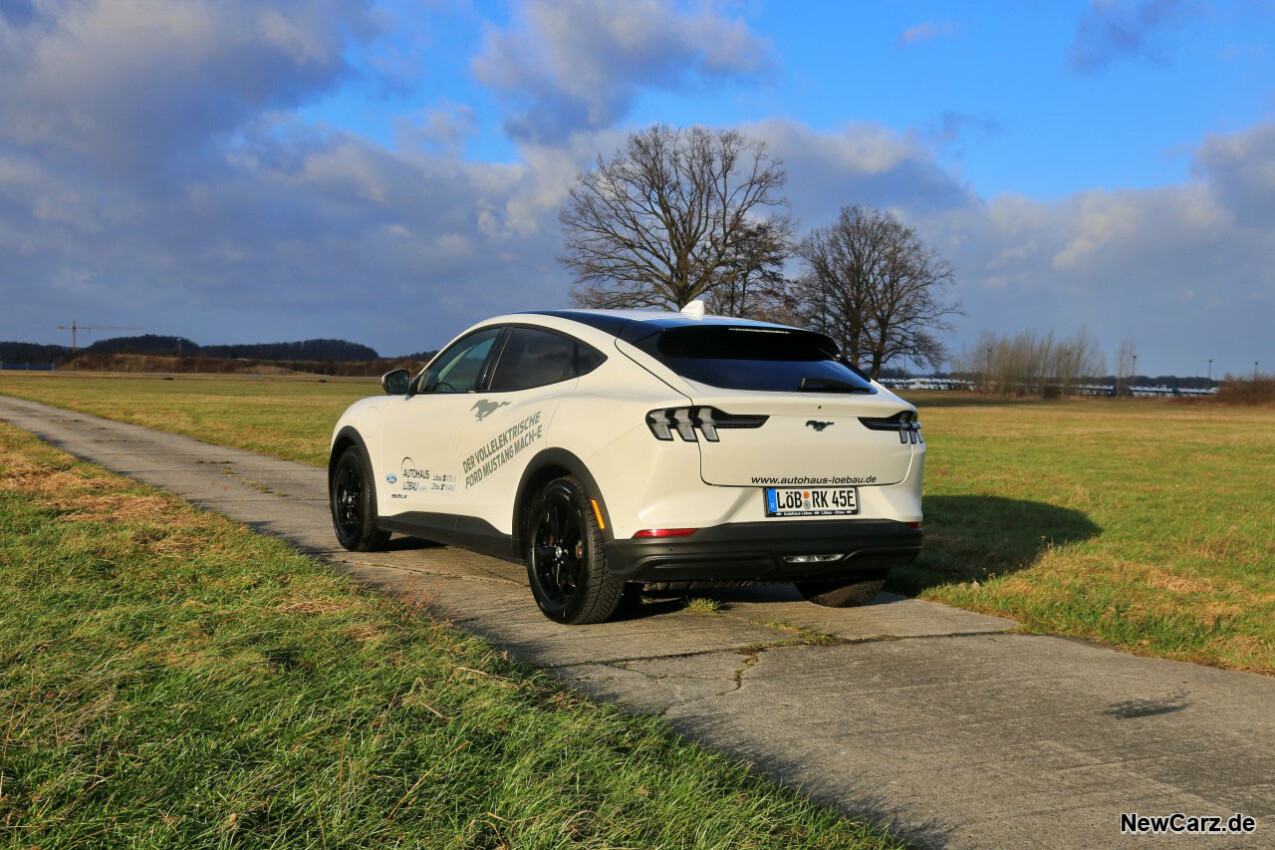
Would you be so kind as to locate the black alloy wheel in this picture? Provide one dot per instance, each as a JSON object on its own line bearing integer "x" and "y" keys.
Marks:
{"x": 353, "y": 500}
{"x": 566, "y": 566}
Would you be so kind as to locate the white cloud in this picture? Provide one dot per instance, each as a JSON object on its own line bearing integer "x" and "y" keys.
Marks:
{"x": 570, "y": 65}
{"x": 127, "y": 86}
{"x": 224, "y": 218}
{"x": 928, "y": 31}
{"x": 1117, "y": 263}
{"x": 857, "y": 164}
{"x": 1241, "y": 168}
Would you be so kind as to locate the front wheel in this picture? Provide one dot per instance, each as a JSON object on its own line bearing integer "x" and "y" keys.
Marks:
{"x": 353, "y": 500}
{"x": 566, "y": 566}
{"x": 837, "y": 594}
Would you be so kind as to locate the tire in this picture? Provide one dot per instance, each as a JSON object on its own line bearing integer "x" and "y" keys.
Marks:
{"x": 566, "y": 567}
{"x": 352, "y": 497}
{"x": 835, "y": 594}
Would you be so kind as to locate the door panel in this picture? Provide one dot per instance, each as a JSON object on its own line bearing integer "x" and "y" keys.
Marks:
{"x": 418, "y": 452}
{"x": 495, "y": 448}
{"x": 418, "y": 432}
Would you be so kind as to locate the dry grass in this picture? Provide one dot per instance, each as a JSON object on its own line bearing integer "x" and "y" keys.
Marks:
{"x": 170, "y": 678}
{"x": 1256, "y": 391}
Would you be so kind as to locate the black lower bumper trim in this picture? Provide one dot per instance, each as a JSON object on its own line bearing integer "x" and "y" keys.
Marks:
{"x": 756, "y": 551}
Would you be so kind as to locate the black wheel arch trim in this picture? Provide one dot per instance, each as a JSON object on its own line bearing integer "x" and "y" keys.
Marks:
{"x": 563, "y": 459}
{"x": 349, "y": 434}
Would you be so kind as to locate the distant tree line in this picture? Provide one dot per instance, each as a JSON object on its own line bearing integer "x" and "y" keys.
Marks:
{"x": 1031, "y": 363}
{"x": 1048, "y": 365}
{"x": 311, "y": 349}
{"x": 337, "y": 350}
{"x": 28, "y": 352}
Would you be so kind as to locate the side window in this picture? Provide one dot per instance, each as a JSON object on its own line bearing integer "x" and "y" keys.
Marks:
{"x": 458, "y": 369}
{"x": 588, "y": 358}
{"x": 535, "y": 358}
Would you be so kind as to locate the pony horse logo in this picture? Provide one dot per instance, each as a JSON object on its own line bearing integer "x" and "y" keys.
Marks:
{"x": 484, "y": 408}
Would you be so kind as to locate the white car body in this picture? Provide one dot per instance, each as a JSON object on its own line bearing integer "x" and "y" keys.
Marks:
{"x": 678, "y": 491}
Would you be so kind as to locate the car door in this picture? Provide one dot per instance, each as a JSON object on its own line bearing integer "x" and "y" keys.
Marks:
{"x": 420, "y": 469}
{"x": 508, "y": 423}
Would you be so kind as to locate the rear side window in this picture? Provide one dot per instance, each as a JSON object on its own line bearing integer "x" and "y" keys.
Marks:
{"x": 753, "y": 358}
{"x": 536, "y": 358}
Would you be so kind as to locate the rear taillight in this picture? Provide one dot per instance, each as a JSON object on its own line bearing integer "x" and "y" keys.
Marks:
{"x": 904, "y": 423}
{"x": 685, "y": 421}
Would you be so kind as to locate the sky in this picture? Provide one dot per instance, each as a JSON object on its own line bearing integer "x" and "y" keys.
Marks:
{"x": 390, "y": 172}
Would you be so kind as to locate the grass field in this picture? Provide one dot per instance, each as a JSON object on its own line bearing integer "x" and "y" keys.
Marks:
{"x": 286, "y": 417}
{"x": 1145, "y": 524}
{"x": 169, "y": 678}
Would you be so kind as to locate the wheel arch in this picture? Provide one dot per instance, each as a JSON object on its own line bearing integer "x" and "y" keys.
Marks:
{"x": 543, "y": 468}
{"x": 345, "y": 438}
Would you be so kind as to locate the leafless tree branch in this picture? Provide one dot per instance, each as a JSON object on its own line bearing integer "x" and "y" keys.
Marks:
{"x": 875, "y": 288}
{"x": 675, "y": 215}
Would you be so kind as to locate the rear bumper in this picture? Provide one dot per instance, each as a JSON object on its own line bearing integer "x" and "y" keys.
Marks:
{"x": 755, "y": 551}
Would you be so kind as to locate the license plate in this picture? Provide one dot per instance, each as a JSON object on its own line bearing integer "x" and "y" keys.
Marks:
{"x": 811, "y": 501}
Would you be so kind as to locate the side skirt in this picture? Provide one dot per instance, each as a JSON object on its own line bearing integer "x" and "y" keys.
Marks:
{"x": 476, "y": 535}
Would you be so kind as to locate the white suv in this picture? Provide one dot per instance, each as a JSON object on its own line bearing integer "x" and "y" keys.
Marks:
{"x": 608, "y": 450}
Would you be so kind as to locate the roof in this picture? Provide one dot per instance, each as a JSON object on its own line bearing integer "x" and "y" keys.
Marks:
{"x": 614, "y": 322}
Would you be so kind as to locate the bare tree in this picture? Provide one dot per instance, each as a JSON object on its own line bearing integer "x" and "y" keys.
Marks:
{"x": 753, "y": 285}
{"x": 1126, "y": 361}
{"x": 675, "y": 215}
{"x": 1032, "y": 364}
{"x": 873, "y": 286}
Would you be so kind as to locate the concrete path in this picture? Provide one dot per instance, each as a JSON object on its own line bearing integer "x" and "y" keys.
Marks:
{"x": 942, "y": 724}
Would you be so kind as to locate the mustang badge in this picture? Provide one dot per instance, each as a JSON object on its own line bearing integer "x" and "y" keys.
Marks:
{"x": 818, "y": 426}
{"x": 484, "y": 408}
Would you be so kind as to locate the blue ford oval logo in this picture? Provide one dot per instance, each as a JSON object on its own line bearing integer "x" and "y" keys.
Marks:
{"x": 391, "y": 478}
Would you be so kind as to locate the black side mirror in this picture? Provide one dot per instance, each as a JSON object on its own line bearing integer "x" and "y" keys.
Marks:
{"x": 396, "y": 382}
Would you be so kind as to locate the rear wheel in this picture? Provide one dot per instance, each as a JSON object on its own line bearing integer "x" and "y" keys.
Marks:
{"x": 353, "y": 500}
{"x": 566, "y": 566}
{"x": 837, "y": 594}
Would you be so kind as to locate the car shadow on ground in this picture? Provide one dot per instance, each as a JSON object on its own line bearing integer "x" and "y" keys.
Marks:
{"x": 399, "y": 543}
{"x": 967, "y": 538}
{"x": 976, "y": 537}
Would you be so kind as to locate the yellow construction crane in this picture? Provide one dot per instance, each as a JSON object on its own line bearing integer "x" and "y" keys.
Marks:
{"x": 75, "y": 326}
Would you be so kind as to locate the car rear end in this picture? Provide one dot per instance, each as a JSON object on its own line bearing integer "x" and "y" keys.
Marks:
{"x": 782, "y": 464}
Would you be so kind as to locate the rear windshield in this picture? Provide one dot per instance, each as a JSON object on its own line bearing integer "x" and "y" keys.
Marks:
{"x": 751, "y": 358}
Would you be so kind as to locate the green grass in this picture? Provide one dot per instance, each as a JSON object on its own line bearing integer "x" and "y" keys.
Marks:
{"x": 289, "y": 417}
{"x": 1145, "y": 524}
{"x": 703, "y": 605}
{"x": 170, "y": 678}
{"x": 1148, "y": 525}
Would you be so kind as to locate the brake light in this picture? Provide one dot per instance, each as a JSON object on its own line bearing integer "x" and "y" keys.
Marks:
{"x": 905, "y": 423}
{"x": 666, "y": 532}
{"x": 685, "y": 421}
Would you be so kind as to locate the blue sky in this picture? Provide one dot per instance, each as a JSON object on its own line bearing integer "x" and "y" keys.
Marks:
{"x": 390, "y": 172}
